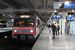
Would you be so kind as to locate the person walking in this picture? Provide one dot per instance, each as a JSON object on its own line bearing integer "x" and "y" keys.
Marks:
{"x": 58, "y": 29}
{"x": 53, "y": 29}
{"x": 68, "y": 27}
{"x": 49, "y": 27}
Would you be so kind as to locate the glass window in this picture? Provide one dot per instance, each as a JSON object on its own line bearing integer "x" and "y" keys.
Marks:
{"x": 29, "y": 23}
{"x": 24, "y": 23}
{"x": 19, "y": 23}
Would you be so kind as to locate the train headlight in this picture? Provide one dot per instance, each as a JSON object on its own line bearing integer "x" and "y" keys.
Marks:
{"x": 31, "y": 31}
{"x": 15, "y": 30}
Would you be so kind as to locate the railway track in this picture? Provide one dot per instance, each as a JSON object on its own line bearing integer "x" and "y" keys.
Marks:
{"x": 9, "y": 44}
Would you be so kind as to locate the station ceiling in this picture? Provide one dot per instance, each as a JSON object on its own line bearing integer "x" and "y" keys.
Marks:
{"x": 43, "y": 8}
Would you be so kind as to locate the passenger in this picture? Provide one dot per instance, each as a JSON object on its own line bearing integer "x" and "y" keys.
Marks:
{"x": 30, "y": 24}
{"x": 68, "y": 27}
{"x": 17, "y": 24}
{"x": 49, "y": 27}
{"x": 53, "y": 30}
{"x": 21, "y": 23}
{"x": 58, "y": 29}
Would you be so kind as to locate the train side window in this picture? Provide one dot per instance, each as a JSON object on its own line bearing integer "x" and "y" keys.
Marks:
{"x": 38, "y": 22}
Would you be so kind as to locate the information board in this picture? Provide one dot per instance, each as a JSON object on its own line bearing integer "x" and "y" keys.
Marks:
{"x": 69, "y": 5}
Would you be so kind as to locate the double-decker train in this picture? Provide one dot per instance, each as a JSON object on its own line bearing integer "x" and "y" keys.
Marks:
{"x": 26, "y": 26}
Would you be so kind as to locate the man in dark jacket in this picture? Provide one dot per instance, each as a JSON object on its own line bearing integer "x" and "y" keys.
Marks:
{"x": 58, "y": 29}
{"x": 49, "y": 27}
{"x": 53, "y": 30}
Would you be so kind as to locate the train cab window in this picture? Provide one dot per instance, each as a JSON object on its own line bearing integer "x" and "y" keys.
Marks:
{"x": 29, "y": 23}
{"x": 24, "y": 23}
{"x": 19, "y": 23}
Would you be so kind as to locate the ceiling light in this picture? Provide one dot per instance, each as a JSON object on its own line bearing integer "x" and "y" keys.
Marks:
{"x": 66, "y": 2}
{"x": 72, "y": 10}
{"x": 69, "y": 15}
{"x": 52, "y": 13}
{"x": 55, "y": 10}
{"x": 60, "y": 4}
{"x": 10, "y": 16}
{"x": 3, "y": 14}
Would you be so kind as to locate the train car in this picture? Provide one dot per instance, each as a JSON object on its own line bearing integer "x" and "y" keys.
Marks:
{"x": 26, "y": 26}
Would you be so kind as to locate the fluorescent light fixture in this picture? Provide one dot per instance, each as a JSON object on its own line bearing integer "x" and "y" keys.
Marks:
{"x": 69, "y": 15}
{"x": 3, "y": 14}
{"x": 55, "y": 10}
{"x": 10, "y": 16}
{"x": 60, "y": 4}
{"x": 72, "y": 10}
{"x": 52, "y": 13}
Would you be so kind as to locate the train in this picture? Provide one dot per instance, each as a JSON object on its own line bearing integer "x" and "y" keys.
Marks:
{"x": 26, "y": 26}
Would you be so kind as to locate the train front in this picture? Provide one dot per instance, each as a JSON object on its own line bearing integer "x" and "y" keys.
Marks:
{"x": 24, "y": 27}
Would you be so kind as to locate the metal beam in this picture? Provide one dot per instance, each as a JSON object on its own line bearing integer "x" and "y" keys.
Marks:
{"x": 46, "y": 19}
{"x": 44, "y": 3}
{"x": 45, "y": 16}
{"x": 13, "y": 3}
{"x": 33, "y": 3}
{"x": 47, "y": 3}
{"x": 26, "y": 10}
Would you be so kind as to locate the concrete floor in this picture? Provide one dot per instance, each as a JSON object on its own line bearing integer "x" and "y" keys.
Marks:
{"x": 61, "y": 42}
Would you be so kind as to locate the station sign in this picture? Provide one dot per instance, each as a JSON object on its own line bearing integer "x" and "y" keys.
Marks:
{"x": 69, "y": 5}
{"x": 50, "y": 20}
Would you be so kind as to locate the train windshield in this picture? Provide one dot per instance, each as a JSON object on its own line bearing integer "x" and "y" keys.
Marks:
{"x": 24, "y": 23}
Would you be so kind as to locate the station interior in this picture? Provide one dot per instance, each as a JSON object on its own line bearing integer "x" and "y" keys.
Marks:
{"x": 33, "y": 24}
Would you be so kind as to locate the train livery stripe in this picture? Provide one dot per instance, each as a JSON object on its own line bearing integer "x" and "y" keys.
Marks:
{"x": 35, "y": 22}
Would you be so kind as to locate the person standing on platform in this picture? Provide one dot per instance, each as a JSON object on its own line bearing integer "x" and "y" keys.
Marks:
{"x": 53, "y": 29}
{"x": 49, "y": 27}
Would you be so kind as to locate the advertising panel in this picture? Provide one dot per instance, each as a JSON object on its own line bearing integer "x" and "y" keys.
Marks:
{"x": 69, "y": 5}
{"x": 54, "y": 17}
{"x": 73, "y": 27}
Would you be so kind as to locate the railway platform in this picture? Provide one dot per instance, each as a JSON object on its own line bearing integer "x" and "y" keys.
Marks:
{"x": 61, "y": 42}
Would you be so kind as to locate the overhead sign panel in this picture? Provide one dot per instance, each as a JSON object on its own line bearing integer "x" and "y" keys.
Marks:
{"x": 69, "y": 5}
